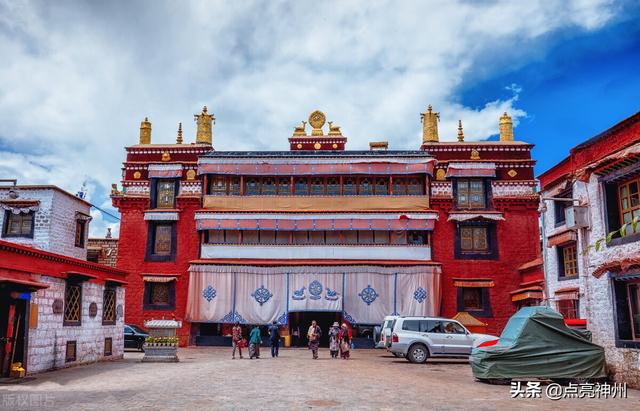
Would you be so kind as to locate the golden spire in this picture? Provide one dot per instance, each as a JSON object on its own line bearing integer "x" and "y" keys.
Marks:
{"x": 430, "y": 125}
{"x": 179, "y": 138}
{"x": 506, "y": 128}
{"x": 204, "y": 133}
{"x": 460, "y": 132}
{"x": 145, "y": 131}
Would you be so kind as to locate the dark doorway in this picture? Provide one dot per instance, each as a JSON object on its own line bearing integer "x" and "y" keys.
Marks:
{"x": 13, "y": 323}
{"x": 303, "y": 320}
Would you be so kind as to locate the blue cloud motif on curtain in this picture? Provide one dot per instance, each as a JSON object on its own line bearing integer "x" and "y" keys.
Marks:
{"x": 368, "y": 294}
{"x": 262, "y": 295}
{"x": 332, "y": 295}
{"x": 283, "y": 319}
{"x": 420, "y": 295}
{"x": 315, "y": 289}
{"x": 209, "y": 293}
{"x": 299, "y": 294}
{"x": 233, "y": 317}
{"x": 347, "y": 317}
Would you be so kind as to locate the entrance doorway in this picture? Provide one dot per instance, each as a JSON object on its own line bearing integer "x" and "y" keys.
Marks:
{"x": 13, "y": 324}
{"x": 303, "y": 320}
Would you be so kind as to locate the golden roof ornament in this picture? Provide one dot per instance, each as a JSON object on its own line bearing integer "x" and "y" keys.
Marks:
{"x": 204, "y": 120}
{"x": 317, "y": 120}
{"x": 301, "y": 130}
{"x": 475, "y": 154}
{"x": 179, "y": 138}
{"x": 166, "y": 156}
{"x": 506, "y": 128}
{"x": 334, "y": 130}
{"x": 145, "y": 131}
{"x": 460, "y": 132}
{"x": 430, "y": 125}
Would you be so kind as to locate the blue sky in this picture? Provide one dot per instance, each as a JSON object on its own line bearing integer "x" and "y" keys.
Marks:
{"x": 76, "y": 78}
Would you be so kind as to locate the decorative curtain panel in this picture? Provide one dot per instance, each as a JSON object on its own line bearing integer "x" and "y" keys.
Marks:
{"x": 418, "y": 294}
{"x": 315, "y": 292}
{"x": 261, "y": 298}
{"x": 368, "y": 297}
{"x": 210, "y": 297}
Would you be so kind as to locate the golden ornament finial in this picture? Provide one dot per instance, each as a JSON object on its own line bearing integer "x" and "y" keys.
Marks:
{"x": 506, "y": 128}
{"x": 300, "y": 130}
{"x": 475, "y": 154}
{"x": 334, "y": 130}
{"x": 460, "y": 132}
{"x": 430, "y": 125}
{"x": 145, "y": 131}
{"x": 204, "y": 133}
{"x": 166, "y": 156}
{"x": 179, "y": 138}
{"x": 317, "y": 120}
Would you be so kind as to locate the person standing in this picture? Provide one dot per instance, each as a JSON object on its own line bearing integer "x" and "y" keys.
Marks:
{"x": 274, "y": 338}
{"x": 236, "y": 338}
{"x": 345, "y": 341}
{"x": 334, "y": 340}
{"x": 313, "y": 335}
{"x": 254, "y": 342}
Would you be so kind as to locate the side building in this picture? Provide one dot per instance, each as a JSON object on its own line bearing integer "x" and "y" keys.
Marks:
{"x": 321, "y": 232}
{"x": 56, "y": 308}
{"x": 591, "y": 193}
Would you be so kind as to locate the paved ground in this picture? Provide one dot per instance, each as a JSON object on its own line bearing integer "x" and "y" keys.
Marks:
{"x": 207, "y": 378}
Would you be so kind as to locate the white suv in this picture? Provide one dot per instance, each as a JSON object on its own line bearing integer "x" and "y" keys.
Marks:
{"x": 385, "y": 331}
{"x": 418, "y": 338}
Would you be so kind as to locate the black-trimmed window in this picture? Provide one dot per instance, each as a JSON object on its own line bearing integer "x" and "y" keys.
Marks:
{"x": 108, "y": 346}
{"x": 569, "y": 308}
{"x": 109, "y": 306}
{"x": 470, "y": 193}
{"x": 159, "y": 296}
{"x": 626, "y": 295}
{"x": 476, "y": 240}
{"x": 163, "y": 192}
{"x": 474, "y": 300}
{"x": 567, "y": 261}
{"x": 18, "y": 225}
{"x": 622, "y": 201}
{"x": 161, "y": 241}
{"x": 349, "y": 186}
{"x": 81, "y": 226}
{"x": 559, "y": 207}
{"x": 71, "y": 349}
{"x": 72, "y": 303}
{"x": 301, "y": 186}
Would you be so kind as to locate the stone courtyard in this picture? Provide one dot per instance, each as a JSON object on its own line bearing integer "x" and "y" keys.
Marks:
{"x": 207, "y": 378}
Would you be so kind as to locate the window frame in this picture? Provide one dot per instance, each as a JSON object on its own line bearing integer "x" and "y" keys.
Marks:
{"x": 486, "y": 310}
{"x": 111, "y": 291}
{"x": 562, "y": 263}
{"x": 492, "y": 252}
{"x": 151, "y": 239}
{"x": 575, "y": 308}
{"x": 624, "y": 337}
{"x": 80, "y": 242}
{"x": 154, "y": 191}
{"x": 485, "y": 193}
{"x": 5, "y": 226}
{"x": 70, "y": 283}
{"x": 147, "y": 305}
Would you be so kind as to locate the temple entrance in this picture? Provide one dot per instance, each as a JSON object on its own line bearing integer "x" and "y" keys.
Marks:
{"x": 13, "y": 323}
{"x": 303, "y": 321}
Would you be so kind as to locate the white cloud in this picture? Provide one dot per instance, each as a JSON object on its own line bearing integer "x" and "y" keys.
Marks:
{"x": 81, "y": 75}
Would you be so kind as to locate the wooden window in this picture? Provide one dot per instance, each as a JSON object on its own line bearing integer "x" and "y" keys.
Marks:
{"x": 365, "y": 186}
{"x": 252, "y": 186}
{"x": 159, "y": 296}
{"x": 633, "y": 301}
{"x": 165, "y": 193}
{"x": 18, "y": 225}
{"x": 234, "y": 186}
{"x": 474, "y": 239}
{"x": 80, "y": 230}
{"x": 470, "y": 193}
{"x": 301, "y": 186}
{"x": 218, "y": 185}
{"x": 474, "y": 300}
{"x": 629, "y": 204}
{"x": 349, "y": 186}
{"x": 568, "y": 308}
{"x": 109, "y": 306}
{"x": 94, "y": 255}
{"x": 108, "y": 346}
{"x": 415, "y": 186}
{"x": 317, "y": 186}
{"x": 399, "y": 186}
{"x": 269, "y": 187}
{"x": 284, "y": 186}
{"x": 162, "y": 239}
{"x": 72, "y": 304}
{"x": 333, "y": 186}
{"x": 626, "y": 299}
{"x": 381, "y": 186}
{"x": 71, "y": 351}
{"x": 417, "y": 237}
{"x": 567, "y": 261}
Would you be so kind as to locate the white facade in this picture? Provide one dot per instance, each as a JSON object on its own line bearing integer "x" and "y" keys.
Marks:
{"x": 596, "y": 295}
{"x": 54, "y": 224}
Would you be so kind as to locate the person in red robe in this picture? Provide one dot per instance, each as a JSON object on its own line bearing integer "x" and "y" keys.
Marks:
{"x": 345, "y": 341}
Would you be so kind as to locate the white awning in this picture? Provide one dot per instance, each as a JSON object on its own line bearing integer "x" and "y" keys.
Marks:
{"x": 473, "y": 216}
{"x": 158, "y": 279}
{"x": 161, "y": 216}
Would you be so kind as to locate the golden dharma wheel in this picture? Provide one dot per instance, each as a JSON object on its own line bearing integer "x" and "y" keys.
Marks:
{"x": 317, "y": 119}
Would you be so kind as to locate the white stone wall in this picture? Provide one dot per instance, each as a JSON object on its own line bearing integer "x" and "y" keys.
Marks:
{"x": 54, "y": 222}
{"x": 47, "y": 343}
{"x": 596, "y": 299}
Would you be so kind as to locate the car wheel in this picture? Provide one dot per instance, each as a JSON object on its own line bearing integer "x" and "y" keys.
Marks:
{"x": 418, "y": 354}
